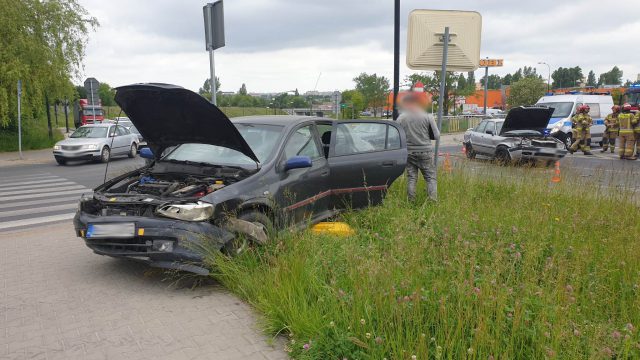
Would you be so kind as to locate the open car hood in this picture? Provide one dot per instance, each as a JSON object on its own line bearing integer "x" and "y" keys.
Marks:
{"x": 168, "y": 115}
{"x": 527, "y": 118}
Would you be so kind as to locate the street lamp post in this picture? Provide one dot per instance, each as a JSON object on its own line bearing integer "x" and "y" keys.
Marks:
{"x": 548, "y": 74}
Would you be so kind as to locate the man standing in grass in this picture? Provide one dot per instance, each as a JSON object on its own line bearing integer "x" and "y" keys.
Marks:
{"x": 420, "y": 128}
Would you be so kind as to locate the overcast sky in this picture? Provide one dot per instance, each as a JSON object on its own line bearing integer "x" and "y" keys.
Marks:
{"x": 280, "y": 45}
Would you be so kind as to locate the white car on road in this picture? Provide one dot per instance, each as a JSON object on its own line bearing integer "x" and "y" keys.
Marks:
{"x": 96, "y": 142}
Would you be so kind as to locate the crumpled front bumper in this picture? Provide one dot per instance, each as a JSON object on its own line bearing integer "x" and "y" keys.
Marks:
{"x": 536, "y": 153}
{"x": 185, "y": 238}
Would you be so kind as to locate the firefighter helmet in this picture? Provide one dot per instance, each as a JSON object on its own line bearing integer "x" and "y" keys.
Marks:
{"x": 626, "y": 107}
{"x": 584, "y": 108}
{"x": 615, "y": 108}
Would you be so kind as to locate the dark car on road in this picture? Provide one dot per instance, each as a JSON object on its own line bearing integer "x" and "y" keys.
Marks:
{"x": 230, "y": 183}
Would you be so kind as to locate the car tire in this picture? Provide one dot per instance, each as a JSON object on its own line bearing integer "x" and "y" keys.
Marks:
{"x": 240, "y": 244}
{"x": 61, "y": 161}
{"x": 502, "y": 156}
{"x": 105, "y": 154}
{"x": 133, "y": 151}
{"x": 470, "y": 153}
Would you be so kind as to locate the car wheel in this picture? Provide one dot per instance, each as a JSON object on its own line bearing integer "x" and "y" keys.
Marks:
{"x": 105, "y": 154}
{"x": 470, "y": 153}
{"x": 241, "y": 244}
{"x": 61, "y": 161}
{"x": 502, "y": 156}
{"x": 133, "y": 151}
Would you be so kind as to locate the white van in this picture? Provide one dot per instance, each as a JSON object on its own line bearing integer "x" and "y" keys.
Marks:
{"x": 565, "y": 107}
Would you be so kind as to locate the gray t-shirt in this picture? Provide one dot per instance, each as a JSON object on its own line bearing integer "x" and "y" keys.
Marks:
{"x": 416, "y": 125}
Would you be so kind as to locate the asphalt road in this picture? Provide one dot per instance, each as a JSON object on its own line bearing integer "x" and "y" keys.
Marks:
{"x": 38, "y": 194}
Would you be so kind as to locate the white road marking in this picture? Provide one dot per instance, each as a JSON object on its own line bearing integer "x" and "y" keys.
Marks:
{"x": 4, "y": 214}
{"x": 41, "y": 195}
{"x": 20, "y": 183}
{"x": 52, "y": 185}
{"x": 35, "y": 221}
{"x": 63, "y": 199}
{"x": 39, "y": 191}
{"x": 27, "y": 177}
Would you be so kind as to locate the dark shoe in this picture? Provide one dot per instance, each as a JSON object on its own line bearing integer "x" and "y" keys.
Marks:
{"x": 603, "y": 150}
{"x": 588, "y": 153}
{"x": 632, "y": 158}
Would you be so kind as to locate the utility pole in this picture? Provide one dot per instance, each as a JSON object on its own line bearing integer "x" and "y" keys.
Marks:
{"x": 396, "y": 57}
{"x": 486, "y": 87}
{"x": 66, "y": 114}
{"x": 548, "y": 74}
{"x": 19, "y": 118}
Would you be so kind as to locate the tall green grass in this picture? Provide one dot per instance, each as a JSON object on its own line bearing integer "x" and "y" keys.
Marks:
{"x": 35, "y": 135}
{"x": 507, "y": 267}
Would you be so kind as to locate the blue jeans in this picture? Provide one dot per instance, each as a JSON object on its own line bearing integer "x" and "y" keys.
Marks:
{"x": 423, "y": 162}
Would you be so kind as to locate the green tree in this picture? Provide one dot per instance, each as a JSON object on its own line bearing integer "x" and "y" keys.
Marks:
{"x": 107, "y": 95}
{"x": 566, "y": 77}
{"x": 591, "y": 79}
{"x": 42, "y": 43}
{"x": 471, "y": 79}
{"x": 507, "y": 79}
{"x": 526, "y": 91}
{"x": 243, "y": 90}
{"x": 462, "y": 82}
{"x": 374, "y": 89}
{"x": 355, "y": 103}
{"x": 495, "y": 82}
{"x": 205, "y": 90}
{"x": 611, "y": 77}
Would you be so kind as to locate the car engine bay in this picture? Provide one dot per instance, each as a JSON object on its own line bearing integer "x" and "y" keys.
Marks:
{"x": 169, "y": 185}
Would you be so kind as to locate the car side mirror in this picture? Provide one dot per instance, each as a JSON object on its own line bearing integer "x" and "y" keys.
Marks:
{"x": 146, "y": 153}
{"x": 489, "y": 132}
{"x": 298, "y": 162}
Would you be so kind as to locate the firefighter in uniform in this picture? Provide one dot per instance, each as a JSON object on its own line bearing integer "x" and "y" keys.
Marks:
{"x": 627, "y": 122}
{"x": 611, "y": 130}
{"x": 582, "y": 130}
{"x": 636, "y": 131}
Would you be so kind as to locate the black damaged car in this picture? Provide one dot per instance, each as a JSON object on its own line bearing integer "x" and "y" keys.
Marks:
{"x": 230, "y": 182}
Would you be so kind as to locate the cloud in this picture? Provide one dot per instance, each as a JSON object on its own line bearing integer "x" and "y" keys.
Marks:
{"x": 276, "y": 45}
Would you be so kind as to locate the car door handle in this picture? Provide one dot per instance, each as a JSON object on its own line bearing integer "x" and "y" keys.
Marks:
{"x": 324, "y": 173}
{"x": 388, "y": 163}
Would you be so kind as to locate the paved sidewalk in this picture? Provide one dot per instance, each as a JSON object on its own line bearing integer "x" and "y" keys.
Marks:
{"x": 29, "y": 157}
{"x": 58, "y": 300}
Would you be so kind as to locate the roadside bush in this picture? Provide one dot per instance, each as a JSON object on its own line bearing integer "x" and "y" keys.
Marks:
{"x": 35, "y": 135}
{"x": 500, "y": 268}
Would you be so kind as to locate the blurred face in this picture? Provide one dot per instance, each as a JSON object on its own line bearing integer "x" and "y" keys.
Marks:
{"x": 411, "y": 104}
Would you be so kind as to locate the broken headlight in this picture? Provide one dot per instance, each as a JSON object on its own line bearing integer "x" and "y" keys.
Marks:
{"x": 525, "y": 142}
{"x": 188, "y": 212}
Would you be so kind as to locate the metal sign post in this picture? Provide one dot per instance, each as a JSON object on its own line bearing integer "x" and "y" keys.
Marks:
{"x": 19, "y": 119}
{"x": 66, "y": 114}
{"x": 487, "y": 63}
{"x": 443, "y": 83}
{"x": 214, "y": 38}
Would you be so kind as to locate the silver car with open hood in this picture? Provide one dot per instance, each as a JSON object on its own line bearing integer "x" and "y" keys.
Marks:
{"x": 521, "y": 136}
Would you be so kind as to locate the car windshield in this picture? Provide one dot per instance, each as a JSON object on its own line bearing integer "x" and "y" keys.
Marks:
{"x": 261, "y": 138}
{"x": 134, "y": 130}
{"x": 560, "y": 109}
{"x": 632, "y": 98}
{"x": 90, "y": 132}
{"x": 91, "y": 112}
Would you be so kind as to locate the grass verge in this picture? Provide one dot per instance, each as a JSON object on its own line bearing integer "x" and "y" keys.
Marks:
{"x": 35, "y": 136}
{"x": 500, "y": 268}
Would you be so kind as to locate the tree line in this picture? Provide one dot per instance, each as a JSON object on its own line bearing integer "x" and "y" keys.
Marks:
{"x": 42, "y": 44}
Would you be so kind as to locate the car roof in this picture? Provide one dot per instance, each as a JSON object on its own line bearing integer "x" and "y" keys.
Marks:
{"x": 98, "y": 125}
{"x": 281, "y": 120}
{"x": 573, "y": 97}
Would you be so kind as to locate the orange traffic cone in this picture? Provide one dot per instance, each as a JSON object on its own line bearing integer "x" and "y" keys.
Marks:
{"x": 447, "y": 163}
{"x": 556, "y": 173}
